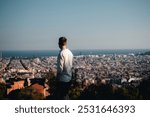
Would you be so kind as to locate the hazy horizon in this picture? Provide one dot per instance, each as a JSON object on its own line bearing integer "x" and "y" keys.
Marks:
{"x": 78, "y": 50}
{"x": 88, "y": 24}
{"x": 57, "y": 49}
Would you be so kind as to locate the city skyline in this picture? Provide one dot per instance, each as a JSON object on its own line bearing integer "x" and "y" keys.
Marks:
{"x": 97, "y": 24}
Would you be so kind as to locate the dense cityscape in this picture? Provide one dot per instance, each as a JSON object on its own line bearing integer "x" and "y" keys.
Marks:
{"x": 36, "y": 73}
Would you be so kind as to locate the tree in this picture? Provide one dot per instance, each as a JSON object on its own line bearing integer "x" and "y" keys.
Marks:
{"x": 3, "y": 90}
{"x": 29, "y": 94}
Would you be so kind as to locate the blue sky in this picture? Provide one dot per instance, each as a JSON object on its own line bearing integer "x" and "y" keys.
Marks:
{"x": 88, "y": 24}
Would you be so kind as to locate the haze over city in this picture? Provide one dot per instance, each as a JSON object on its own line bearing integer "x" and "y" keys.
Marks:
{"x": 88, "y": 24}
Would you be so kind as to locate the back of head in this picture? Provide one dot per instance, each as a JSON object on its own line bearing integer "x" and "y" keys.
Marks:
{"x": 62, "y": 41}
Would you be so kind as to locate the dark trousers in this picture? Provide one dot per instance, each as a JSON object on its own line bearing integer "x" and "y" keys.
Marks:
{"x": 62, "y": 90}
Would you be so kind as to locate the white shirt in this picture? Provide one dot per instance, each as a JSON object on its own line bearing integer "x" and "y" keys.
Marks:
{"x": 64, "y": 65}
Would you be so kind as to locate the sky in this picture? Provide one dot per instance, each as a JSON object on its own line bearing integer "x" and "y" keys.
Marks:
{"x": 87, "y": 24}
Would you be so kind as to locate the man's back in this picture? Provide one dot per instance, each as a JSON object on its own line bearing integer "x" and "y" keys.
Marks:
{"x": 64, "y": 65}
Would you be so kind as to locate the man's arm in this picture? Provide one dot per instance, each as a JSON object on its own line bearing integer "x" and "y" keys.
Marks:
{"x": 60, "y": 64}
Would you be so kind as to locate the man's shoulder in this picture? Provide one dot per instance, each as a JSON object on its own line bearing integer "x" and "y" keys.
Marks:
{"x": 65, "y": 51}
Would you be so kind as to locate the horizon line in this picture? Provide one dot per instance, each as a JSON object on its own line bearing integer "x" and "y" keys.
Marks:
{"x": 78, "y": 49}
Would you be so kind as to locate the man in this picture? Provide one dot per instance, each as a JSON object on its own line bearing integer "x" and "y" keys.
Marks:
{"x": 64, "y": 69}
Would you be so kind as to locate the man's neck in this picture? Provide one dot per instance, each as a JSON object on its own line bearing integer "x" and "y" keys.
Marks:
{"x": 64, "y": 47}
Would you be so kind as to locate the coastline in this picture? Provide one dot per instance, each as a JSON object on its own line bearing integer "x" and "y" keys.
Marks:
{"x": 77, "y": 52}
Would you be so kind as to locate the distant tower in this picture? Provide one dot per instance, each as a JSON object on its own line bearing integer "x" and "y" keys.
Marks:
{"x": 1, "y": 55}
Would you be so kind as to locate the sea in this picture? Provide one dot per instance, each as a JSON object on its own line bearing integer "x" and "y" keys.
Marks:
{"x": 47, "y": 53}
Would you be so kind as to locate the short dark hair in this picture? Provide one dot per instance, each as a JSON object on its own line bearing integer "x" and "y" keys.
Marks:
{"x": 62, "y": 40}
